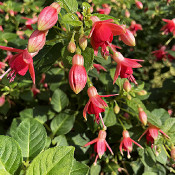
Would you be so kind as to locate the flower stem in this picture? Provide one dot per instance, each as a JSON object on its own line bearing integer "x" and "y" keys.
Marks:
{"x": 104, "y": 127}
{"x": 89, "y": 83}
{"x": 122, "y": 124}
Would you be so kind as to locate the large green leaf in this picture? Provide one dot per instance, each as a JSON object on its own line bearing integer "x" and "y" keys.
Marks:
{"x": 62, "y": 123}
{"x": 31, "y": 136}
{"x": 70, "y": 5}
{"x": 79, "y": 168}
{"x": 71, "y": 19}
{"x": 10, "y": 155}
{"x": 59, "y": 100}
{"x": 54, "y": 161}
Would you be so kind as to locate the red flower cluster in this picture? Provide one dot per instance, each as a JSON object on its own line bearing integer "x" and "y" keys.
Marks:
{"x": 169, "y": 27}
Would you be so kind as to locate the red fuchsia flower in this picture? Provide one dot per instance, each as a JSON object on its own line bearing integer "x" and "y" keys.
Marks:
{"x": 169, "y": 27}
{"x": 105, "y": 10}
{"x": 95, "y": 104}
{"x": 36, "y": 41}
{"x": 139, "y": 4}
{"x": 126, "y": 144}
{"x": 99, "y": 67}
{"x": 142, "y": 116}
{"x": 77, "y": 74}
{"x": 20, "y": 63}
{"x": 160, "y": 54}
{"x": 102, "y": 34}
{"x": 128, "y": 38}
{"x": 100, "y": 145}
{"x": 48, "y": 16}
{"x": 134, "y": 27}
{"x": 123, "y": 62}
{"x": 30, "y": 21}
{"x": 152, "y": 133}
{"x": 2, "y": 100}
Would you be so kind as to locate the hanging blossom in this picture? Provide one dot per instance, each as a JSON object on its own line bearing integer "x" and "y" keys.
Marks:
{"x": 152, "y": 133}
{"x": 124, "y": 66}
{"x": 19, "y": 63}
{"x": 134, "y": 27}
{"x": 160, "y": 54}
{"x": 126, "y": 143}
{"x": 95, "y": 104}
{"x": 99, "y": 67}
{"x": 105, "y": 10}
{"x": 100, "y": 145}
{"x": 169, "y": 27}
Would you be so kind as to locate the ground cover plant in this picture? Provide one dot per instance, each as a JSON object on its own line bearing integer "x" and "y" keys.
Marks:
{"x": 87, "y": 87}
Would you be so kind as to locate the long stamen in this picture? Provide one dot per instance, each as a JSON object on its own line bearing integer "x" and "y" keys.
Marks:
{"x": 104, "y": 127}
{"x": 4, "y": 73}
{"x": 132, "y": 79}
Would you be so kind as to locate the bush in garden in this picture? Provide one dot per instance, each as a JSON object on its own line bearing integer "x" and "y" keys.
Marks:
{"x": 74, "y": 52}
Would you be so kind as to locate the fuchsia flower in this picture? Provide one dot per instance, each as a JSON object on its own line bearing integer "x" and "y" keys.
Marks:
{"x": 160, "y": 54}
{"x": 95, "y": 104}
{"x": 2, "y": 100}
{"x": 102, "y": 34}
{"x": 105, "y": 10}
{"x": 126, "y": 143}
{"x": 134, "y": 27}
{"x": 77, "y": 74}
{"x": 125, "y": 66}
{"x": 152, "y": 133}
{"x": 20, "y": 63}
{"x": 139, "y": 4}
{"x": 35, "y": 90}
{"x": 30, "y": 21}
{"x": 99, "y": 67}
{"x": 169, "y": 27}
{"x": 100, "y": 145}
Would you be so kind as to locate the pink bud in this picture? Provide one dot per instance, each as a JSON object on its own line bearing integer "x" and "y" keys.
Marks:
{"x": 173, "y": 153}
{"x": 56, "y": 6}
{"x": 83, "y": 42}
{"x": 127, "y": 14}
{"x": 36, "y": 41}
{"x": 127, "y": 86}
{"x": 142, "y": 116}
{"x": 47, "y": 18}
{"x": 139, "y": 5}
{"x": 2, "y": 100}
{"x": 116, "y": 109}
{"x": 77, "y": 74}
{"x": 128, "y": 38}
{"x": 71, "y": 47}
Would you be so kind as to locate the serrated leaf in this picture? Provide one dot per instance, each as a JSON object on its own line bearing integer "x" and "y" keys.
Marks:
{"x": 62, "y": 123}
{"x": 95, "y": 169}
{"x": 70, "y": 5}
{"x": 71, "y": 19}
{"x": 54, "y": 161}
{"x": 31, "y": 136}
{"x": 79, "y": 168}
{"x": 59, "y": 100}
{"x": 110, "y": 118}
{"x": 162, "y": 157}
{"x": 10, "y": 155}
{"x": 85, "y": 6}
{"x": 60, "y": 141}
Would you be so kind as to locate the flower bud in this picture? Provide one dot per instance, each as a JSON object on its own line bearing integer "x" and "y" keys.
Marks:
{"x": 48, "y": 17}
{"x": 127, "y": 86}
{"x": 2, "y": 100}
{"x": 127, "y": 14}
{"x": 128, "y": 38}
{"x": 116, "y": 109}
{"x": 173, "y": 153}
{"x": 129, "y": 97}
{"x": 56, "y": 6}
{"x": 83, "y": 42}
{"x": 36, "y": 41}
{"x": 71, "y": 47}
{"x": 142, "y": 92}
{"x": 139, "y": 5}
{"x": 142, "y": 116}
{"x": 77, "y": 74}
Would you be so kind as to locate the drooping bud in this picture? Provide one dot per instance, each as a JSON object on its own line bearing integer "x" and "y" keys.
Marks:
{"x": 142, "y": 116}
{"x": 128, "y": 38}
{"x": 127, "y": 86}
{"x": 142, "y": 92}
{"x": 77, "y": 74}
{"x": 127, "y": 14}
{"x": 36, "y": 41}
{"x": 71, "y": 47}
{"x": 83, "y": 42}
{"x": 2, "y": 100}
{"x": 139, "y": 4}
{"x": 116, "y": 109}
{"x": 48, "y": 17}
{"x": 173, "y": 153}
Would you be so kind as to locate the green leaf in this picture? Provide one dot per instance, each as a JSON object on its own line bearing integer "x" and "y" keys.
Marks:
{"x": 59, "y": 100}
{"x": 71, "y": 19}
{"x": 162, "y": 157}
{"x": 110, "y": 118}
{"x": 86, "y": 7}
{"x": 60, "y": 141}
{"x": 62, "y": 123}
{"x": 88, "y": 56}
{"x": 31, "y": 136}
{"x": 70, "y": 5}
{"x": 54, "y": 161}
{"x": 10, "y": 155}
{"x": 95, "y": 169}
{"x": 79, "y": 168}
